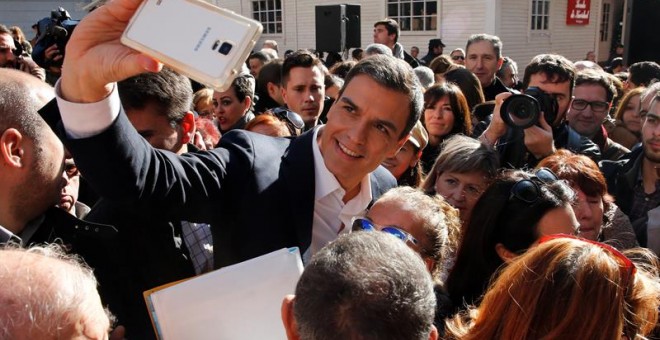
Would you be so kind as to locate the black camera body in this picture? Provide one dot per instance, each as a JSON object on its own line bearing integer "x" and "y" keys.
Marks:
{"x": 524, "y": 110}
{"x": 55, "y": 29}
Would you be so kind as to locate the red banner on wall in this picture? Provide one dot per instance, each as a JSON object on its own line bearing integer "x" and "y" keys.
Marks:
{"x": 578, "y": 12}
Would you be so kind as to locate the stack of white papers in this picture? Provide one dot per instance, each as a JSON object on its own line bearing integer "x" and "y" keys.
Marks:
{"x": 242, "y": 301}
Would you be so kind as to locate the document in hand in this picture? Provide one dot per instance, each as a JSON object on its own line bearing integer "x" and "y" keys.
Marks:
{"x": 237, "y": 302}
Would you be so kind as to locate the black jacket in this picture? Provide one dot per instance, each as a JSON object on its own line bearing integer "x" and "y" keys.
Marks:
{"x": 621, "y": 177}
{"x": 514, "y": 154}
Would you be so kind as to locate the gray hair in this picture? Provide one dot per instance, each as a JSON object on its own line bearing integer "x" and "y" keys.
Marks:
{"x": 374, "y": 49}
{"x": 365, "y": 285}
{"x": 462, "y": 154}
{"x": 44, "y": 292}
{"x": 494, "y": 40}
{"x": 508, "y": 62}
{"x": 425, "y": 76}
{"x": 393, "y": 74}
{"x": 651, "y": 94}
{"x": 439, "y": 220}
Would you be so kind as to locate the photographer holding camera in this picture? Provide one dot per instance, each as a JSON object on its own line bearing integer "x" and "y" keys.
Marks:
{"x": 13, "y": 56}
{"x": 529, "y": 127}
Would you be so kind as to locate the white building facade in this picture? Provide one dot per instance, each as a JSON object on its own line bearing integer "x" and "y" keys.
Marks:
{"x": 526, "y": 27}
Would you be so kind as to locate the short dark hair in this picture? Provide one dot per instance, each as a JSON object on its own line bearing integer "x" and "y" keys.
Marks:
{"x": 392, "y": 27}
{"x": 393, "y": 74}
{"x": 356, "y": 53}
{"x": 242, "y": 86}
{"x": 261, "y": 56}
{"x": 167, "y": 89}
{"x": 271, "y": 72}
{"x": 643, "y": 73}
{"x": 556, "y": 68}
{"x": 493, "y": 39}
{"x": 300, "y": 58}
{"x": 596, "y": 78}
{"x": 365, "y": 285}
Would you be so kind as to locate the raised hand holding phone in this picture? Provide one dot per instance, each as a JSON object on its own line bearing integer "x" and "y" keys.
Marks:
{"x": 95, "y": 57}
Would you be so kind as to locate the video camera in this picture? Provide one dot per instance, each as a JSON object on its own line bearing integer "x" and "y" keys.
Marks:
{"x": 524, "y": 110}
{"x": 55, "y": 29}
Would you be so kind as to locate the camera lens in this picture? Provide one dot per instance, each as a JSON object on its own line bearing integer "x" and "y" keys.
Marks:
{"x": 520, "y": 111}
{"x": 225, "y": 48}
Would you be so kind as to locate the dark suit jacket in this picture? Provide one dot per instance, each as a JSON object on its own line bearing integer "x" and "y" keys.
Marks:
{"x": 256, "y": 191}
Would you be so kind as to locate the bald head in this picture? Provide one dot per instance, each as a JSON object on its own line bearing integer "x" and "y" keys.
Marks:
{"x": 21, "y": 96}
{"x": 45, "y": 294}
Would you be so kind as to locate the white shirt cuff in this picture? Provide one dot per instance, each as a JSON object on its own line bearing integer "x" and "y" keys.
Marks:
{"x": 82, "y": 120}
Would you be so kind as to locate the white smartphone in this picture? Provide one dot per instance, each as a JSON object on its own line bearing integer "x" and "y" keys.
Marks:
{"x": 204, "y": 42}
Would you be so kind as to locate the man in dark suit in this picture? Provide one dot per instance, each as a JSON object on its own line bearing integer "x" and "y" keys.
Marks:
{"x": 259, "y": 193}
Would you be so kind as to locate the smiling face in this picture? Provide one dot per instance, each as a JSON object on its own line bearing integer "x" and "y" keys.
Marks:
{"x": 364, "y": 127}
{"x": 587, "y": 121}
{"x": 439, "y": 118}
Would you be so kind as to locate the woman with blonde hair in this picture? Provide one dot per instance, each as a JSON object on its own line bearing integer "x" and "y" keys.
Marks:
{"x": 565, "y": 288}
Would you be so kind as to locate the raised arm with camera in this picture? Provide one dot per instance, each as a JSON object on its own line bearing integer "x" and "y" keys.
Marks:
{"x": 526, "y": 128}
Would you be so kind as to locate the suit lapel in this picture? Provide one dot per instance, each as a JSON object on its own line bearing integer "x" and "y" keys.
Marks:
{"x": 298, "y": 173}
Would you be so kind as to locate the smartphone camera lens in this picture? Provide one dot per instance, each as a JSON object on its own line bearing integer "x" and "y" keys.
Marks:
{"x": 225, "y": 48}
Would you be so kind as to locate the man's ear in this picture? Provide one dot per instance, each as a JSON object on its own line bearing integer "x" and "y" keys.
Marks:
{"x": 187, "y": 127}
{"x": 505, "y": 254}
{"x": 288, "y": 319}
{"x": 499, "y": 63}
{"x": 434, "y": 333}
{"x": 273, "y": 89}
{"x": 283, "y": 91}
{"x": 11, "y": 148}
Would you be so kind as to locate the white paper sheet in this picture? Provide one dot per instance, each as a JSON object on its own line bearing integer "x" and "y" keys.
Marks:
{"x": 237, "y": 302}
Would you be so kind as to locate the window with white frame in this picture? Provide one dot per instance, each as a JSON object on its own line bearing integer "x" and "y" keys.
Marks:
{"x": 414, "y": 15}
{"x": 540, "y": 15}
{"x": 269, "y": 13}
{"x": 605, "y": 23}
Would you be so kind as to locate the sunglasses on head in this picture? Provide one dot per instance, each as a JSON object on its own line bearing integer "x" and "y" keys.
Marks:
{"x": 293, "y": 120}
{"x": 529, "y": 190}
{"x": 363, "y": 223}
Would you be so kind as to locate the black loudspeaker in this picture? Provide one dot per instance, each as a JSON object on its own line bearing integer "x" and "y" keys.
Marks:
{"x": 337, "y": 27}
{"x": 642, "y": 41}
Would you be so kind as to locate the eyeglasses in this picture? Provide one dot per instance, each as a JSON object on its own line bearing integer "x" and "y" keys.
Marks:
{"x": 293, "y": 120}
{"x": 363, "y": 223}
{"x": 528, "y": 190}
{"x": 457, "y": 57}
{"x": 596, "y": 106}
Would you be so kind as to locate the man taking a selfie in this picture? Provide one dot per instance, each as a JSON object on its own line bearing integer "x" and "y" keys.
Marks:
{"x": 306, "y": 190}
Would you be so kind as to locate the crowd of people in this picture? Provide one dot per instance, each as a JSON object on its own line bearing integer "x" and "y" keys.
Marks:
{"x": 520, "y": 208}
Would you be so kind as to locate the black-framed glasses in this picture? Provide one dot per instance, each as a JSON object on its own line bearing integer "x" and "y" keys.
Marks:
{"x": 596, "y": 106}
{"x": 457, "y": 57}
{"x": 293, "y": 120}
{"x": 363, "y": 223}
{"x": 529, "y": 190}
